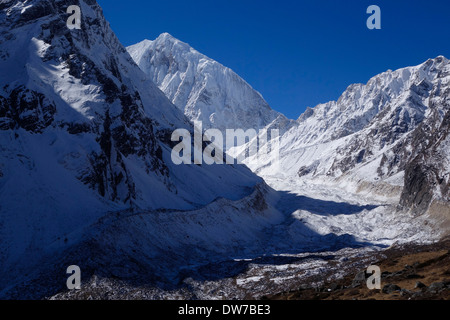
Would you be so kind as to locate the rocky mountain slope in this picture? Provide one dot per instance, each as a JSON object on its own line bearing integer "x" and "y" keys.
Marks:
{"x": 427, "y": 175}
{"x": 410, "y": 272}
{"x": 204, "y": 89}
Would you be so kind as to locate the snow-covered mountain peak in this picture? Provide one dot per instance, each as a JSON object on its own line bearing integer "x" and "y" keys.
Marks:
{"x": 202, "y": 88}
{"x": 166, "y": 38}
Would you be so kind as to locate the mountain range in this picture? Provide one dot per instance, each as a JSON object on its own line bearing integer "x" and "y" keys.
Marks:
{"x": 86, "y": 175}
{"x": 388, "y": 137}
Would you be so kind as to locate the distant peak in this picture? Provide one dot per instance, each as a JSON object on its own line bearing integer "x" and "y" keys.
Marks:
{"x": 168, "y": 41}
{"x": 166, "y": 36}
{"x": 440, "y": 57}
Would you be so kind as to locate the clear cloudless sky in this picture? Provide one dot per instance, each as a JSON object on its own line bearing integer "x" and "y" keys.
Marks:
{"x": 295, "y": 53}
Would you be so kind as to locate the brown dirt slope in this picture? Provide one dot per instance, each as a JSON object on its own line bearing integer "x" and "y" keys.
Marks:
{"x": 411, "y": 272}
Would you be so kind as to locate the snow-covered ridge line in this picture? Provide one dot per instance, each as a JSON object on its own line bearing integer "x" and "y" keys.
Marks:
{"x": 389, "y": 105}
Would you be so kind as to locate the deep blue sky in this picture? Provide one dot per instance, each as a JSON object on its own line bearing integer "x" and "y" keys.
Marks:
{"x": 296, "y": 53}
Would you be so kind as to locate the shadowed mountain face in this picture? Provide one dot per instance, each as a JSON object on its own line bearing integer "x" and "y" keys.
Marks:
{"x": 427, "y": 176}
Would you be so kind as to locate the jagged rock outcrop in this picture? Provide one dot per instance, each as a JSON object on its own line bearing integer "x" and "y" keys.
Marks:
{"x": 427, "y": 176}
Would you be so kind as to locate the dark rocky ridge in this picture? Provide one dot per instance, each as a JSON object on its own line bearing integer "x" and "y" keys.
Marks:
{"x": 427, "y": 174}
